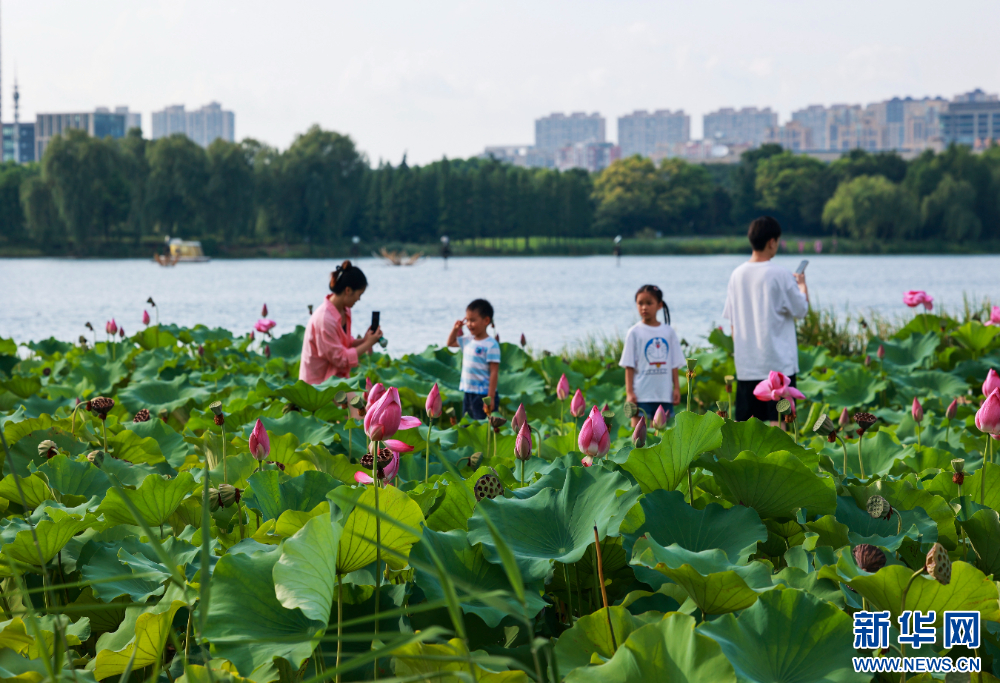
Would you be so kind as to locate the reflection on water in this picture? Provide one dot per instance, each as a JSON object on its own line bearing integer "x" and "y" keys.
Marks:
{"x": 554, "y": 301}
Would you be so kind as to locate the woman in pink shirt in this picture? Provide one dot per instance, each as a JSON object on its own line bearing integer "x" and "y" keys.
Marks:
{"x": 328, "y": 348}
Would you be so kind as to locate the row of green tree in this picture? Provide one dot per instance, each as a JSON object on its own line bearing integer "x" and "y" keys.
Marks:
{"x": 88, "y": 193}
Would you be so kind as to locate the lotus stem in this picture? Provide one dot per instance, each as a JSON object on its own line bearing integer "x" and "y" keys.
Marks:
{"x": 982, "y": 479}
{"x": 225, "y": 466}
{"x": 569, "y": 595}
{"x": 843, "y": 444}
{"x": 104, "y": 427}
{"x": 340, "y": 616}
{"x": 918, "y": 437}
{"x": 604, "y": 592}
{"x": 690, "y": 488}
{"x": 690, "y": 381}
{"x": 902, "y": 608}
{"x": 427, "y": 456}
{"x": 378, "y": 552}
{"x": 861, "y": 462}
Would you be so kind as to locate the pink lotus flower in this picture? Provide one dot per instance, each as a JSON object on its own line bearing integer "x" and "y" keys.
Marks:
{"x": 818, "y": 246}
{"x": 917, "y": 410}
{"x": 522, "y": 444}
{"x": 260, "y": 445}
{"x": 952, "y": 409}
{"x": 267, "y": 351}
{"x": 391, "y": 469}
{"x": 524, "y": 342}
{"x": 992, "y": 382}
{"x": 845, "y": 418}
{"x": 433, "y": 403}
{"x": 994, "y": 316}
{"x": 385, "y": 417}
{"x": 639, "y": 433}
{"x": 251, "y": 335}
{"x": 578, "y": 406}
{"x": 264, "y": 325}
{"x": 520, "y": 418}
{"x": 659, "y": 418}
{"x": 111, "y": 327}
{"x": 121, "y": 332}
{"x": 587, "y": 461}
{"x": 375, "y": 392}
{"x": 263, "y": 311}
{"x": 562, "y": 388}
{"x": 988, "y": 415}
{"x": 881, "y": 352}
{"x": 915, "y": 297}
{"x": 776, "y": 387}
{"x": 594, "y": 437}
{"x": 145, "y": 318}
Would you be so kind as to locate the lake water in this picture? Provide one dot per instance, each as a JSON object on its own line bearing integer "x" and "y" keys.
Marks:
{"x": 554, "y": 301}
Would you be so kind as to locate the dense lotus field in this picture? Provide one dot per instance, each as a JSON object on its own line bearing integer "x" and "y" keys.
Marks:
{"x": 210, "y": 522}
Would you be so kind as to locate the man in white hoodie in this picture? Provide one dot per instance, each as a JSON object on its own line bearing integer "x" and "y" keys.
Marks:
{"x": 762, "y": 303}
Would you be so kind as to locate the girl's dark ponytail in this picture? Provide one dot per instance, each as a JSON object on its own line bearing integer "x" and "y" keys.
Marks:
{"x": 347, "y": 275}
{"x": 657, "y": 294}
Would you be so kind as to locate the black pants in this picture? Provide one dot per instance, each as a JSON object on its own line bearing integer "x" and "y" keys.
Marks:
{"x": 748, "y": 405}
{"x": 472, "y": 405}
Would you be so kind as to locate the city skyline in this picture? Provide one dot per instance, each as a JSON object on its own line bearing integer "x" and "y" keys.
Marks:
{"x": 393, "y": 80}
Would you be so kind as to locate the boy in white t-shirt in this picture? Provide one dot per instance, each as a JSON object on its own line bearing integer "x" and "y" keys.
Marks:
{"x": 480, "y": 358}
{"x": 651, "y": 357}
{"x": 763, "y": 301}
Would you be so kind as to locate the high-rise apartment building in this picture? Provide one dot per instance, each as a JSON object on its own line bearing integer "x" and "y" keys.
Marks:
{"x": 642, "y": 133}
{"x": 749, "y": 125}
{"x": 203, "y": 125}
{"x": 556, "y": 131}
{"x": 591, "y": 156}
{"x": 100, "y": 123}
{"x": 972, "y": 119}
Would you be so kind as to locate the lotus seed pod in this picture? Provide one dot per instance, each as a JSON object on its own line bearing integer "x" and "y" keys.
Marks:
{"x": 228, "y": 494}
{"x": 784, "y": 406}
{"x": 96, "y": 457}
{"x": 958, "y": 464}
{"x": 869, "y": 557}
{"x": 609, "y": 417}
{"x": 691, "y": 363}
{"x": 631, "y": 409}
{"x": 879, "y": 508}
{"x": 384, "y": 458}
{"x": 475, "y": 458}
{"x": 729, "y": 383}
{"x": 824, "y": 426}
{"x": 497, "y": 421}
{"x": 141, "y": 416}
{"x": 938, "y": 564}
{"x": 214, "y": 499}
{"x": 48, "y": 449}
{"x": 216, "y": 407}
{"x": 101, "y": 406}
{"x": 864, "y": 421}
{"x": 488, "y": 486}
{"x": 723, "y": 406}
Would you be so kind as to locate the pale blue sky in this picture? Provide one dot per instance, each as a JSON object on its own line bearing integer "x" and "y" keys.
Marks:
{"x": 449, "y": 77}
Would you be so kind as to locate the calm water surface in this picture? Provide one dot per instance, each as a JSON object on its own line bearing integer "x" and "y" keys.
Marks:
{"x": 554, "y": 301}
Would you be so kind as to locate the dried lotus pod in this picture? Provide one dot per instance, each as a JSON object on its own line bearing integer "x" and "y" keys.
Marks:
{"x": 864, "y": 422}
{"x": 868, "y": 557}
{"x": 938, "y": 564}
{"x": 879, "y": 508}
{"x": 48, "y": 449}
{"x": 384, "y": 458}
{"x": 497, "y": 421}
{"x": 141, "y": 416}
{"x": 475, "y": 459}
{"x": 488, "y": 486}
{"x": 101, "y": 406}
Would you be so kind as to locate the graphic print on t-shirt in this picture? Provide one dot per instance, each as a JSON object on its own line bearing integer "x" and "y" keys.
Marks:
{"x": 656, "y": 351}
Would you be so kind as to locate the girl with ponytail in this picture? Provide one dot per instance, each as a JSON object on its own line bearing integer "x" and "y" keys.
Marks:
{"x": 328, "y": 348}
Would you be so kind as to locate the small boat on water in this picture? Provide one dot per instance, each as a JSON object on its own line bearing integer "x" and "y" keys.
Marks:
{"x": 398, "y": 258}
{"x": 181, "y": 251}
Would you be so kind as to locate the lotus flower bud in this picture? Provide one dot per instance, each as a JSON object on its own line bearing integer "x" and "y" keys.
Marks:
{"x": 845, "y": 419}
{"x": 917, "y": 410}
{"x": 263, "y": 311}
{"x": 48, "y": 449}
{"x": 952, "y": 409}
{"x": 522, "y": 444}
{"x": 121, "y": 332}
{"x": 988, "y": 415}
{"x": 578, "y": 406}
{"x": 879, "y": 508}
{"x": 145, "y": 318}
{"x": 864, "y": 422}
{"x": 141, "y": 416}
{"x": 520, "y": 418}
{"x": 868, "y": 557}
{"x": 825, "y": 426}
{"x": 201, "y": 350}
{"x": 524, "y": 342}
{"x": 101, "y": 406}
{"x": 267, "y": 351}
{"x": 260, "y": 444}
{"x": 659, "y": 418}
{"x": 433, "y": 403}
{"x": 251, "y": 335}
{"x": 594, "y": 439}
{"x": 881, "y": 352}
{"x": 639, "y": 433}
{"x": 111, "y": 327}
{"x": 992, "y": 382}
{"x": 868, "y": 361}
{"x": 562, "y": 388}
{"x": 96, "y": 457}
{"x": 488, "y": 486}
{"x": 938, "y": 564}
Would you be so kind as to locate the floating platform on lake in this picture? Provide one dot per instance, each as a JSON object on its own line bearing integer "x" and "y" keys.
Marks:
{"x": 182, "y": 252}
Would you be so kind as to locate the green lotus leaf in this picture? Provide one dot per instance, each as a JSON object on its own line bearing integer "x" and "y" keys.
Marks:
{"x": 515, "y": 386}
{"x": 155, "y": 499}
{"x": 306, "y": 396}
{"x": 969, "y": 589}
{"x": 906, "y": 354}
{"x": 308, "y": 430}
{"x": 775, "y": 485}
{"x": 929, "y": 383}
{"x": 305, "y": 576}
{"x": 153, "y": 337}
{"x": 557, "y": 525}
{"x": 973, "y": 485}
{"x": 271, "y": 492}
{"x": 811, "y": 582}
{"x": 22, "y": 386}
{"x": 16, "y": 427}
{"x": 109, "y": 578}
{"x": 976, "y": 337}
{"x": 760, "y": 438}
{"x": 590, "y": 635}
{"x": 428, "y": 661}
{"x": 96, "y": 375}
{"x": 72, "y": 478}
{"x": 668, "y": 650}
{"x": 715, "y": 585}
{"x": 788, "y": 636}
{"x": 668, "y": 519}
{"x": 467, "y": 565}
{"x": 879, "y": 452}
{"x": 829, "y": 531}
{"x": 664, "y": 465}
{"x": 172, "y": 445}
{"x": 158, "y": 395}
{"x": 863, "y": 528}
{"x": 430, "y": 366}
{"x": 130, "y": 447}
{"x": 902, "y": 495}
{"x": 53, "y": 535}
{"x": 357, "y": 542}
{"x": 288, "y": 346}
{"x": 34, "y": 488}
{"x": 457, "y": 503}
{"x": 983, "y": 530}
{"x": 855, "y": 387}
{"x": 265, "y": 629}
